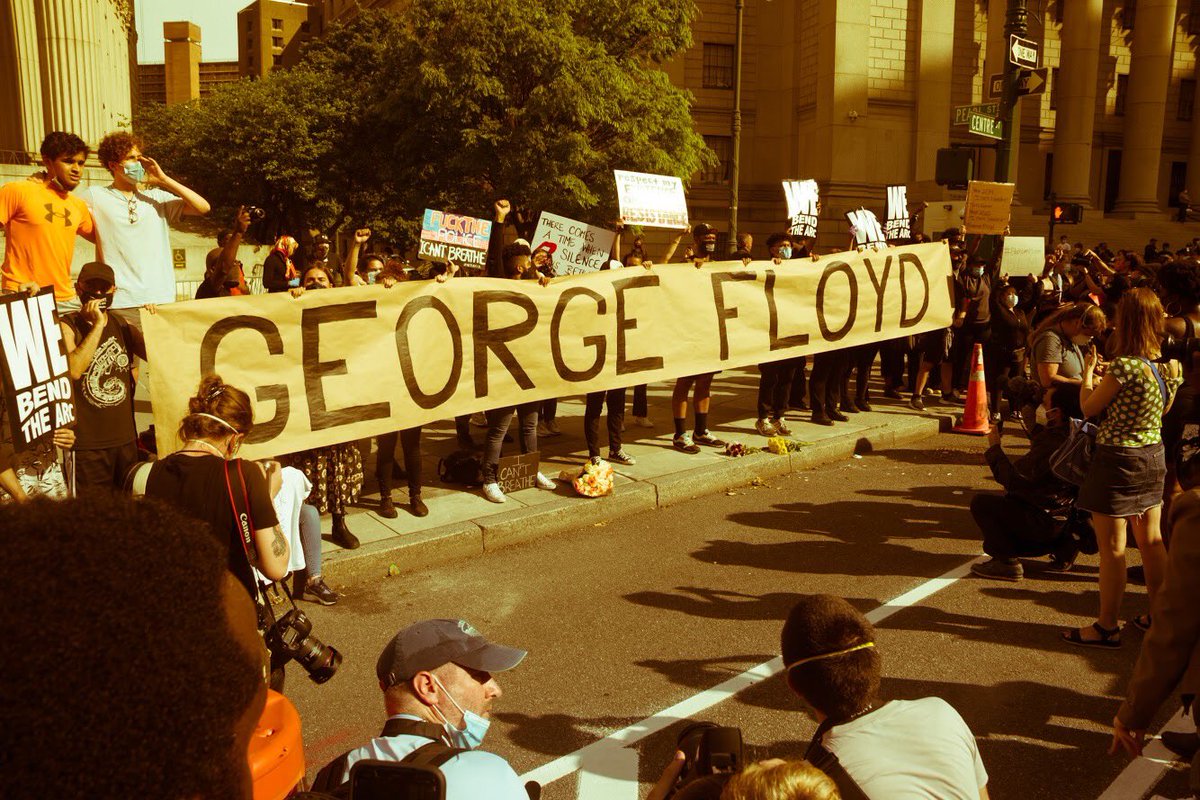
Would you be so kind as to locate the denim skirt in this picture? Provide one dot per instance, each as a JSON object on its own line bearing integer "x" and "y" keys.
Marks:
{"x": 1124, "y": 481}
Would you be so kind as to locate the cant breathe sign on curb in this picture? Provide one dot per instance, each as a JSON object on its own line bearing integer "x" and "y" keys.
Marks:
{"x": 344, "y": 364}
{"x": 515, "y": 473}
{"x": 37, "y": 383}
{"x": 453, "y": 237}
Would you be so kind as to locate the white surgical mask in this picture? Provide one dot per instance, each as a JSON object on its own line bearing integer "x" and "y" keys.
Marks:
{"x": 1040, "y": 416}
{"x": 785, "y": 252}
{"x": 474, "y": 727}
{"x": 1010, "y": 300}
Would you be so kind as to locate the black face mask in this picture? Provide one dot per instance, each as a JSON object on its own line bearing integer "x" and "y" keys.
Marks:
{"x": 313, "y": 286}
{"x": 104, "y": 297}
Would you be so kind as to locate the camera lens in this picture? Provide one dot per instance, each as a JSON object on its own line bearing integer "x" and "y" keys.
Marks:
{"x": 256, "y": 213}
{"x": 319, "y": 660}
{"x": 291, "y": 638}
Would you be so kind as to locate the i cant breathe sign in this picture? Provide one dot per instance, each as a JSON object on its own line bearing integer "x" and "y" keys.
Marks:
{"x": 33, "y": 363}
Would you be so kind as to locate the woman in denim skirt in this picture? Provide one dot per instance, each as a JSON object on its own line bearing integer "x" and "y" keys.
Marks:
{"x": 1125, "y": 481}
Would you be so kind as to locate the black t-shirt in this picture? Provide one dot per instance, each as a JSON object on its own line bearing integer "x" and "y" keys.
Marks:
{"x": 104, "y": 395}
{"x": 195, "y": 485}
{"x": 975, "y": 294}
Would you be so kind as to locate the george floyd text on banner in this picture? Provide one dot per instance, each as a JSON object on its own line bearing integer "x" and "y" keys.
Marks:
{"x": 343, "y": 364}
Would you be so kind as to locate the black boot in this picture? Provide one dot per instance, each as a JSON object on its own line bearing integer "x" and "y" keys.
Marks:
{"x": 342, "y": 537}
{"x": 387, "y": 509}
{"x": 417, "y": 506}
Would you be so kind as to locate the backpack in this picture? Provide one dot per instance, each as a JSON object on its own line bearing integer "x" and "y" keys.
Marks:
{"x": 461, "y": 466}
{"x": 333, "y": 778}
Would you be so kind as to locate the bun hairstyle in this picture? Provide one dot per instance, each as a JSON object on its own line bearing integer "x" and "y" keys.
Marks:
{"x": 215, "y": 398}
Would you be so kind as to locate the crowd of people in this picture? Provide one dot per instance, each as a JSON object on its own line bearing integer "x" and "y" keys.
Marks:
{"x": 1096, "y": 335}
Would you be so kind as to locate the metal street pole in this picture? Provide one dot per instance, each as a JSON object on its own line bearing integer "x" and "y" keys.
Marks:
{"x": 740, "y": 6}
{"x": 1016, "y": 21}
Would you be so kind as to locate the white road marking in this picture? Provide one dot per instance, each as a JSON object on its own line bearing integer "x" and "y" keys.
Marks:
{"x": 610, "y": 774}
{"x": 1144, "y": 773}
{"x": 685, "y": 709}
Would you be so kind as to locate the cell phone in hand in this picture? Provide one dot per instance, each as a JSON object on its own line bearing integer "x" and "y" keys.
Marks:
{"x": 388, "y": 780}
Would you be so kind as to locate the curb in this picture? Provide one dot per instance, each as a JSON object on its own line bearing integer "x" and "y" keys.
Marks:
{"x": 449, "y": 543}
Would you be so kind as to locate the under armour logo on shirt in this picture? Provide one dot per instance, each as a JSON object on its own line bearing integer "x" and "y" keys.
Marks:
{"x": 65, "y": 214}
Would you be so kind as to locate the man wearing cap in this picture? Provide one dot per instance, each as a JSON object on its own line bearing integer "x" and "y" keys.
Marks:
{"x": 897, "y": 748}
{"x": 438, "y": 684}
{"x": 100, "y": 348}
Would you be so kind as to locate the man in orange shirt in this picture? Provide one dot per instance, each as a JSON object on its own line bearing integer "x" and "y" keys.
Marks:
{"x": 41, "y": 217}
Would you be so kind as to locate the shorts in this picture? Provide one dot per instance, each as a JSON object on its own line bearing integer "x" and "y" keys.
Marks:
{"x": 934, "y": 346}
{"x": 1124, "y": 481}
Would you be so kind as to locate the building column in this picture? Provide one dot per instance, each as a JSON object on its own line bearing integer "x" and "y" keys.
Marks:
{"x": 843, "y": 36}
{"x": 1075, "y": 95}
{"x": 935, "y": 62}
{"x": 70, "y": 64}
{"x": 26, "y": 80}
{"x": 1149, "y": 77}
{"x": 1193, "y": 174}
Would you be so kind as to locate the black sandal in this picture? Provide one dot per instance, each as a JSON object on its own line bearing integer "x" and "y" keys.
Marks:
{"x": 1141, "y": 622}
{"x": 1110, "y": 638}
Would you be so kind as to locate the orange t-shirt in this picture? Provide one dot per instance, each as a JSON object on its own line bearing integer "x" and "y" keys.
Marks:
{"x": 40, "y": 226}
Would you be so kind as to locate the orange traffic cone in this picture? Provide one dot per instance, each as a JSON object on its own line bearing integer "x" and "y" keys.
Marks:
{"x": 975, "y": 415}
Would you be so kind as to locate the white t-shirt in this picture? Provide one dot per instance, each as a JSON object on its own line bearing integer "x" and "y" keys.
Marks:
{"x": 473, "y": 775}
{"x": 910, "y": 750}
{"x": 291, "y": 497}
{"x": 139, "y": 252}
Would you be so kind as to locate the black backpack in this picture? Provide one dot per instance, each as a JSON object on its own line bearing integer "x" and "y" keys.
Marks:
{"x": 333, "y": 777}
{"x": 461, "y": 466}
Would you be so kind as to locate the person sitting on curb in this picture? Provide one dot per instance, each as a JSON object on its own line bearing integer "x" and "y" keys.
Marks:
{"x": 438, "y": 684}
{"x": 897, "y": 748}
{"x": 1032, "y": 517}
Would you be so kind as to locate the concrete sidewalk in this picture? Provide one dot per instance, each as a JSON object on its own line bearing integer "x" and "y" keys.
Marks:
{"x": 461, "y": 523}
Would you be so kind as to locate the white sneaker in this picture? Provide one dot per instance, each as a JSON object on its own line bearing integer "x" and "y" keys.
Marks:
{"x": 552, "y": 428}
{"x": 492, "y": 492}
{"x": 479, "y": 420}
{"x": 543, "y": 432}
{"x": 781, "y": 427}
{"x": 643, "y": 422}
{"x": 545, "y": 483}
{"x": 764, "y": 427}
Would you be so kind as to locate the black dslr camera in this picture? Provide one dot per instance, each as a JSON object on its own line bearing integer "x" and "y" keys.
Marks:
{"x": 291, "y": 638}
{"x": 1178, "y": 349}
{"x": 256, "y": 213}
{"x": 712, "y": 754}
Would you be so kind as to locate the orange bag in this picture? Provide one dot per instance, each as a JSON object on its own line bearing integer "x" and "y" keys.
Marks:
{"x": 276, "y": 752}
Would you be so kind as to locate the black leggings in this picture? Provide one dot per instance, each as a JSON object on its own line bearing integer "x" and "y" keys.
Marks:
{"x": 774, "y": 386}
{"x": 385, "y": 460}
{"x": 828, "y": 373}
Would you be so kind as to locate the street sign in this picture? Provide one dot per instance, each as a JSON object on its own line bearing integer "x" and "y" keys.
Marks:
{"x": 963, "y": 113}
{"x": 1029, "y": 81}
{"x": 1022, "y": 52}
{"x": 986, "y": 126}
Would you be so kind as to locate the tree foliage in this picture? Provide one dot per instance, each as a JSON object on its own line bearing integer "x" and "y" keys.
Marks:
{"x": 449, "y": 105}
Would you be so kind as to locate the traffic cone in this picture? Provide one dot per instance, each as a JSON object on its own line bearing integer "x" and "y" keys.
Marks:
{"x": 975, "y": 415}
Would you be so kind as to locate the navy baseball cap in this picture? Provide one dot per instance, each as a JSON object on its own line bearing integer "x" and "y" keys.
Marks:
{"x": 430, "y": 644}
{"x": 96, "y": 270}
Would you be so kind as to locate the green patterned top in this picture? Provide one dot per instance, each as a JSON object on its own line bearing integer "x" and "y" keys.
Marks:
{"x": 1135, "y": 414}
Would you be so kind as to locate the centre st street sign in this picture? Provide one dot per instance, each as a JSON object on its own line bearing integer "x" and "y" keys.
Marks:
{"x": 986, "y": 126}
{"x": 963, "y": 113}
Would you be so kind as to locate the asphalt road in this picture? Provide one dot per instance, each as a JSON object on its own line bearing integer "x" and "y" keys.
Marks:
{"x": 626, "y": 619}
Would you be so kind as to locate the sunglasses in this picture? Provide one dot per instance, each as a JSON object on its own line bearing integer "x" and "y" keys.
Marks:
{"x": 133, "y": 214}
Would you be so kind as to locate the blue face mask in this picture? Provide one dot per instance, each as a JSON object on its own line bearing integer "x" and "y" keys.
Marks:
{"x": 474, "y": 729}
{"x": 785, "y": 252}
{"x": 135, "y": 171}
{"x": 976, "y": 272}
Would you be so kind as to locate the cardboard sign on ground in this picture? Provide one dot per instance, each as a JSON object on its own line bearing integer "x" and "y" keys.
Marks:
{"x": 518, "y": 472}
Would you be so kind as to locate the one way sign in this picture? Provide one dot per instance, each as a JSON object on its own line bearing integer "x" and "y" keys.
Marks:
{"x": 1022, "y": 52}
{"x": 1029, "y": 81}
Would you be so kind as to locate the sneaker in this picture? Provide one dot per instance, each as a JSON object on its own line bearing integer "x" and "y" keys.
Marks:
{"x": 1181, "y": 743}
{"x": 1059, "y": 564}
{"x": 781, "y": 427}
{"x": 552, "y": 428}
{"x": 493, "y": 492}
{"x": 314, "y": 589}
{"x": 916, "y": 403}
{"x": 951, "y": 399}
{"x": 643, "y": 422}
{"x": 684, "y": 444}
{"x": 543, "y": 432}
{"x": 479, "y": 420}
{"x": 621, "y": 457}
{"x": 1001, "y": 570}
{"x": 994, "y": 417}
{"x": 545, "y": 483}
{"x": 707, "y": 439}
{"x": 765, "y": 428}
{"x": 893, "y": 394}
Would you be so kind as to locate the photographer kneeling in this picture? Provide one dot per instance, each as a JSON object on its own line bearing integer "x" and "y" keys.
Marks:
{"x": 1034, "y": 515}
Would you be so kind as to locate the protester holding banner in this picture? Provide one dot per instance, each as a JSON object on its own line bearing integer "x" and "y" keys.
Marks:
{"x": 364, "y": 271}
{"x": 132, "y": 216}
{"x": 100, "y": 348}
{"x": 636, "y": 257}
{"x": 279, "y": 271}
{"x": 704, "y": 237}
{"x": 223, "y": 275}
{"x": 775, "y": 377}
{"x": 38, "y": 248}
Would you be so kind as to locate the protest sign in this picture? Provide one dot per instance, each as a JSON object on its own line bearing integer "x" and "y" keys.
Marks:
{"x": 344, "y": 364}
{"x": 803, "y": 198}
{"x": 1023, "y": 255}
{"x": 38, "y": 392}
{"x": 454, "y": 237}
{"x": 656, "y": 201}
{"x": 989, "y": 206}
{"x": 515, "y": 473}
{"x": 865, "y": 227}
{"x": 898, "y": 225}
{"x": 578, "y": 247}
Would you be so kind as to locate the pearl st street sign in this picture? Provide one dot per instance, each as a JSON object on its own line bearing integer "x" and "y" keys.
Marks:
{"x": 962, "y": 114}
{"x": 985, "y": 126}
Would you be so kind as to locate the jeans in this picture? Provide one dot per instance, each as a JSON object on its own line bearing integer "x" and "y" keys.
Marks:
{"x": 615, "y": 399}
{"x": 774, "y": 386}
{"x": 385, "y": 460}
{"x": 462, "y": 431}
{"x": 547, "y": 410}
{"x": 498, "y": 421}
{"x": 310, "y": 539}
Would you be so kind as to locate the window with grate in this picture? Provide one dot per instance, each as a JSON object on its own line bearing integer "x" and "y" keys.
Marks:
{"x": 276, "y": 24}
{"x": 1122, "y": 90}
{"x": 1187, "y": 99}
{"x": 277, "y": 41}
{"x": 719, "y": 172}
{"x": 718, "y": 66}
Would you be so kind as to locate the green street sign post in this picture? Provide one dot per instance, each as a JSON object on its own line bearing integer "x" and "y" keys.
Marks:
{"x": 962, "y": 114}
{"x": 985, "y": 126}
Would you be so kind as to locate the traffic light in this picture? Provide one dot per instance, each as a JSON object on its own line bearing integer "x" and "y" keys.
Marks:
{"x": 1066, "y": 213}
